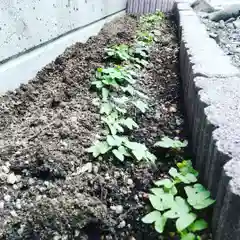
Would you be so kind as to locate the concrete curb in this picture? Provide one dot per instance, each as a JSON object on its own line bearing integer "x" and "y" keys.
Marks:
{"x": 211, "y": 87}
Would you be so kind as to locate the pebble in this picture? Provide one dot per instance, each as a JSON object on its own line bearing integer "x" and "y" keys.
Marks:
{"x": 95, "y": 169}
{"x": 12, "y": 178}
{"x": 38, "y": 198}
{"x": 136, "y": 198}
{"x": 221, "y": 24}
{"x": 31, "y": 181}
{"x": 7, "y": 198}
{"x": 117, "y": 175}
{"x": 132, "y": 238}
{"x": 18, "y": 204}
{"x": 122, "y": 224}
{"x": 172, "y": 109}
{"x": 13, "y": 213}
{"x": 5, "y": 169}
{"x": 1, "y": 204}
{"x": 118, "y": 209}
{"x": 130, "y": 181}
{"x": 107, "y": 177}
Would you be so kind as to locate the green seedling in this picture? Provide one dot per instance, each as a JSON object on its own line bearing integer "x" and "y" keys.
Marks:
{"x": 116, "y": 124}
{"x": 167, "y": 142}
{"x": 198, "y": 197}
{"x": 149, "y": 21}
{"x": 145, "y": 37}
{"x": 118, "y": 52}
{"x": 113, "y": 77}
{"x": 168, "y": 204}
{"x": 121, "y": 147}
{"x": 141, "y": 50}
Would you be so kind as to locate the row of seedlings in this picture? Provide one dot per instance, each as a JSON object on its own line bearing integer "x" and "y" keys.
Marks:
{"x": 176, "y": 201}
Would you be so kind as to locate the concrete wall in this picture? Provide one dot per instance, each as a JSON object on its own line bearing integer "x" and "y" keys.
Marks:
{"x": 212, "y": 99}
{"x": 34, "y": 32}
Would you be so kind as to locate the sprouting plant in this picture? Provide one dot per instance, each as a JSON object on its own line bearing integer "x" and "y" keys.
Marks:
{"x": 168, "y": 204}
{"x": 141, "y": 50}
{"x": 118, "y": 52}
{"x": 121, "y": 147}
{"x": 145, "y": 37}
{"x": 113, "y": 77}
{"x": 149, "y": 21}
{"x": 116, "y": 124}
{"x": 167, "y": 142}
{"x": 110, "y": 106}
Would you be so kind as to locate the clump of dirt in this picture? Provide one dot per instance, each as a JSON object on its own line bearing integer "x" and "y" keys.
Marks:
{"x": 50, "y": 187}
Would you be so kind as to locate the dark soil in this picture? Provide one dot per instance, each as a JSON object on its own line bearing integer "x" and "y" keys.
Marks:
{"x": 45, "y": 127}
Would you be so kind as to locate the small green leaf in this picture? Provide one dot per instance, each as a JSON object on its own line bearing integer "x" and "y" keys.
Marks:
{"x": 106, "y": 108}
{"x": 129, "y": 89}
{"x": 191, "y": 178}
{"x": 141, "y": 95}
{"x": 139, "y": 154}
{"x": 105, "y": 94}
{"x": 152, "y": 217}
{"x": 150, "y": 157}
{"x": 96, "y": 102}
{"x": 122, "y": 100}
{"x": 167, "y": 142}
{"x": 162, "y": 202}
{"x": 173, "y": 191}
{"x": 123, "y": 150}
{"x": 167, "y": 183}
{"x": 98, "y": 84}
{"x": 160, "y": 224}
{"x": 129, "y": 123}
{"x": 185, "y": 220}
{"x": 118, "y": 155}
{"x": 198, "y": 196}
{"x": 141, "y": 105}
{"x": 173, "y": 172}
{"x": 114, "y": 140}
{"x": 188, "y": 236}
{"x": 198, "y": 225}
{"x": 99, "y": 148}
{"x": 121, "y": 110}
{"x": 179, "y": 207}
{"x": 157, "y": 191}
{"x": 171, "y": 214}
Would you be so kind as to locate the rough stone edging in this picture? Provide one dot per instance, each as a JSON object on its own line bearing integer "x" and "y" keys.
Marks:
{"x": 212, "y": 100}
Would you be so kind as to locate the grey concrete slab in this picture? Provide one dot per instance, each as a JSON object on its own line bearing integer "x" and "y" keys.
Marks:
{"x": 211, "y": 86}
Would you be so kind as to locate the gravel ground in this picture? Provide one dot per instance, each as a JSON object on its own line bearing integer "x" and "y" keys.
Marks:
{"x": 226, "y": 34}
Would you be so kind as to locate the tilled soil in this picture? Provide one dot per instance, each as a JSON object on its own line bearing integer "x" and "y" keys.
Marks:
{"x": 50, "y": 187}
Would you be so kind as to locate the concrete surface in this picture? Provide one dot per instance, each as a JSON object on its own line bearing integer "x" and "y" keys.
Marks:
{"x": 212, "y": 99}
{"x": 33, "y": 33}
{"x": 26, "y": 24}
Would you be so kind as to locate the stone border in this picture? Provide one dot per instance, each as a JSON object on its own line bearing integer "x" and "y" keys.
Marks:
{"x": 211, "y": 87}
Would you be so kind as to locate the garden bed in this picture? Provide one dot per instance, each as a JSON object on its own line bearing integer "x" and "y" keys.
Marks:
{"x": 51, "y": 187}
